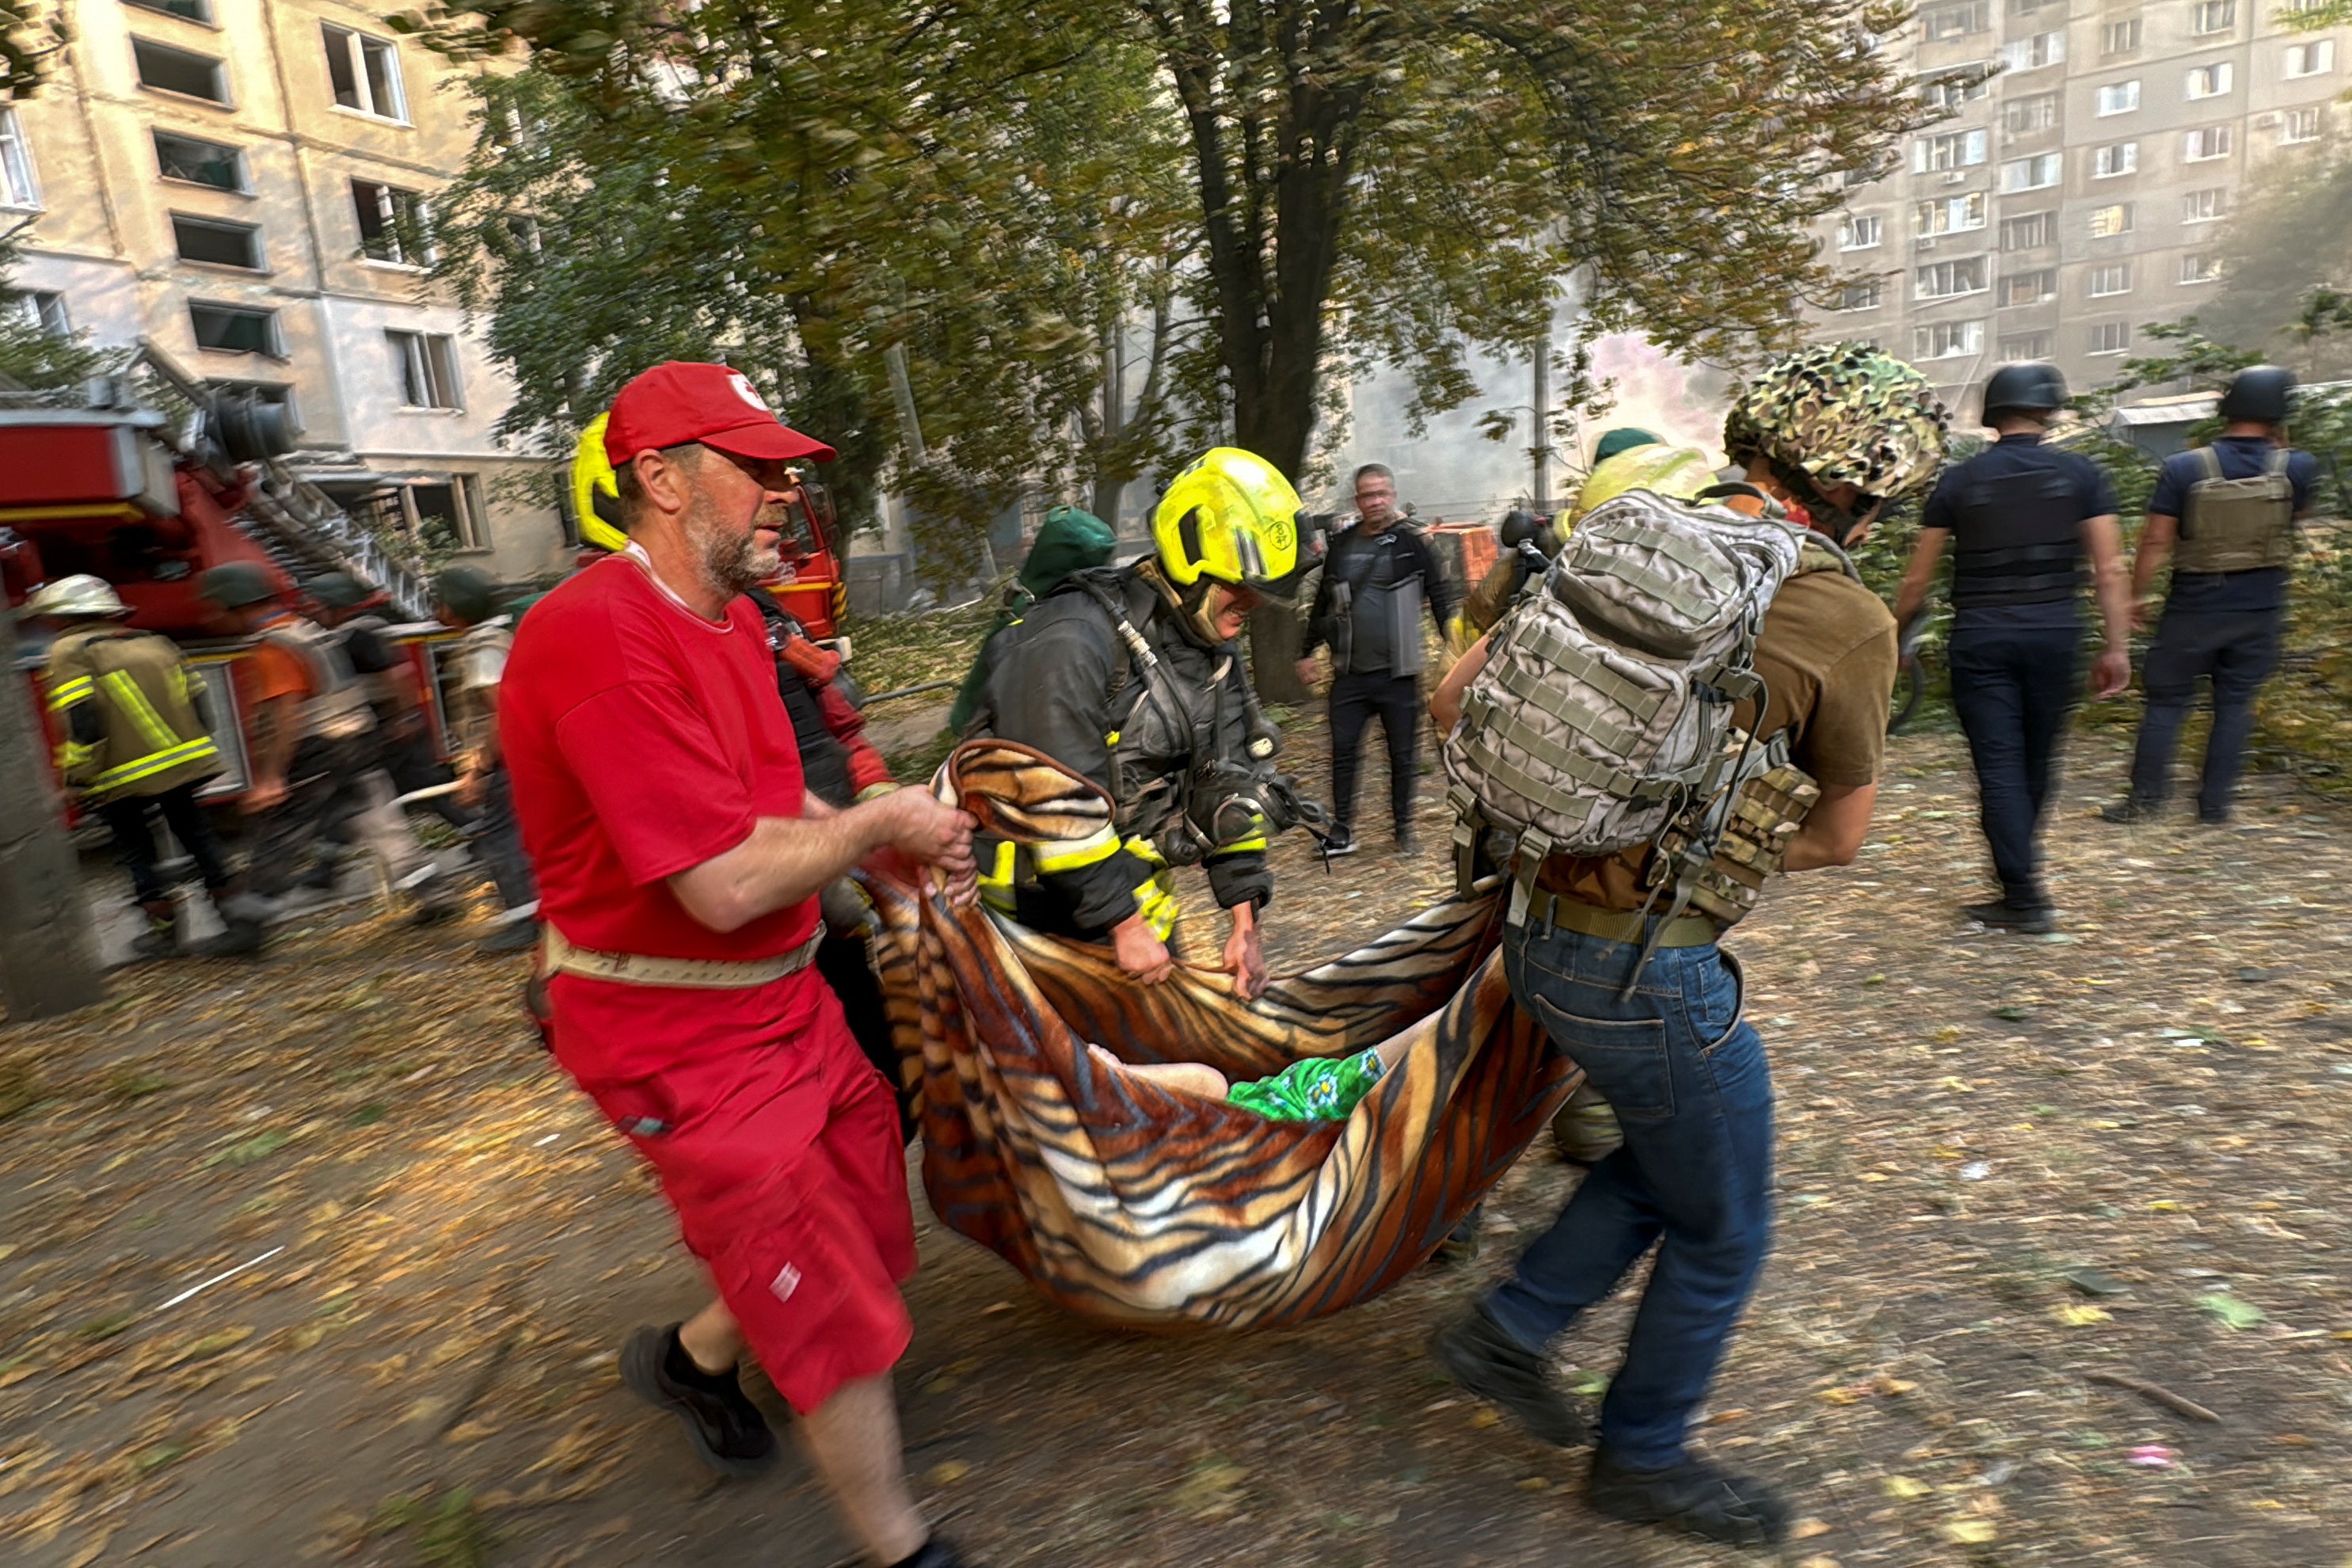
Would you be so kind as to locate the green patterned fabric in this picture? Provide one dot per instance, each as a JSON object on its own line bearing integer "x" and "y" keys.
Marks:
{"x": 1319, "y": 1089}
{"x": 1842, "y": 414}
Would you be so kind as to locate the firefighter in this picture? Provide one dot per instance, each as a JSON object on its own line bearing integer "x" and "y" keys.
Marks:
{"x": 2225, "y": 514}
{"x": 312, "y": 730}
{"x": 133, "y": 745}
{"x": 1130, "y": 677}
{"x": 352, "y": 610}
{"x": 2023, "y": 518}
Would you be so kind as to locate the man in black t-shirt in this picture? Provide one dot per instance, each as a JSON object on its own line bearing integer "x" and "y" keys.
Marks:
{"x": 2022, "y": 520}
{"x": 1377, "y": 580}
{"x": 2225, "y": 515}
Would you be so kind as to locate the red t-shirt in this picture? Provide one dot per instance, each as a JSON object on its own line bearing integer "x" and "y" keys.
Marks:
{"x": 642, "y": 740}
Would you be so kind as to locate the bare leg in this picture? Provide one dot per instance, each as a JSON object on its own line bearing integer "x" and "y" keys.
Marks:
{"x": 1187, "y": 1077}
{"x": 853, "y": 1440}
{"x": 712, "y": 1338}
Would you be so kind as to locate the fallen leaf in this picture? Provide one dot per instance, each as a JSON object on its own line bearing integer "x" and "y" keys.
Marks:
{"x": 1902, "y": 1487}
{"x": 2237, "y": 1314}
{"x": 1806, "y": 1529}
{"x": 2075, "y": 1314}
{"x": 1968, "y": 1531}
{"x": 948, "y": 1472}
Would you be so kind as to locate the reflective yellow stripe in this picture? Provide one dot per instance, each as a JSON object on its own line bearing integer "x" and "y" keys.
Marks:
{"x": 70, "y": 756}
{"x": 996, "y": 879}
{"x": 1156, "y": 904}
{"x": 1111, "y": 739}
{"x": 1241, "y": 846}
{"x": 1145, "y": 851}
{"x": 159, "y": 762}
{"x": 126, "y": 695}
{"x": 65, "y": 694}
{"x": 1091, "y": 850}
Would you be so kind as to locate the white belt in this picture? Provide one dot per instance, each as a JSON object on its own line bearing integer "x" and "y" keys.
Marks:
{"x": 560, "y": 957}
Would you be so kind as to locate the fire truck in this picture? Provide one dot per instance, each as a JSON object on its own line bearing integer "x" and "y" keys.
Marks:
{"x": 146, "y": 478}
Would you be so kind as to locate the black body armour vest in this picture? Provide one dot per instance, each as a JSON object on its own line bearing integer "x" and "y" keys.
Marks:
{"x": 2019, "y": 541}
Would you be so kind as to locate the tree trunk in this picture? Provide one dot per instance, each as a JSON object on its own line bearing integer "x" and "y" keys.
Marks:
{"x": 48, "y": 959}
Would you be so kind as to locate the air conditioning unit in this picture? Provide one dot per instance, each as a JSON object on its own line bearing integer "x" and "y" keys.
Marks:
{"x": 2264, "y": 122}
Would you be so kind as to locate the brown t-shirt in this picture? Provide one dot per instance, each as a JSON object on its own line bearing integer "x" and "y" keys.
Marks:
{"x": 1827, "y": 654}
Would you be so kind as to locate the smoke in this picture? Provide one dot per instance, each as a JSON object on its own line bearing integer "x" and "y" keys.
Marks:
{"x": 1453, "y": 472}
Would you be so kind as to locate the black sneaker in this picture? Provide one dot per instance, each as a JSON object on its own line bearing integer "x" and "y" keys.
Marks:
{"x": 2128, "y": 810}
{"x": 1341, "y": 842}
{"x": 1696, "y": 1496}
{"x": 726, "y": 1429}
{"x": 2213, "y": 819}
{"x": 1404, "y": 839}
{"x": 1488, "y": 1363}
{"x": 2037, "y": 921}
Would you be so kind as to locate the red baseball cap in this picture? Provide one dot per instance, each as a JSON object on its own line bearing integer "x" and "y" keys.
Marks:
{"x": 679, "y": 401}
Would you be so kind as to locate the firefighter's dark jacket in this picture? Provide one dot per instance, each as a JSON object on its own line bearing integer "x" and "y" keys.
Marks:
{"x": 1063, "y": 682}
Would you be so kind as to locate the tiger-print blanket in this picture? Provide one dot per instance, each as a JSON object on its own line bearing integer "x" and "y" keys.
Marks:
{"x": 1135, "y": 1205}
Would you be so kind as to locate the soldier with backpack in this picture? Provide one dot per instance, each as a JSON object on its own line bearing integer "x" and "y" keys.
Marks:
{"x": 1694, "y": 699}
{"x": 2225, "y": 515}
{"x": 2023, "y": 520}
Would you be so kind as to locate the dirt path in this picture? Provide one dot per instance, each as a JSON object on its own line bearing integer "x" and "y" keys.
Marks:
{"x": 420, "y": 1369}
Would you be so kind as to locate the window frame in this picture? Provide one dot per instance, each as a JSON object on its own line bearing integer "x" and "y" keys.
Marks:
{"x": 1978, "y": 12}
{"x": 466, "y": 503}
{"x": 250, "y": 232}
{"x": 2323, "y": 48}
{"x": 393, "y": 223}
{"x": 2104, "y": 159}
{"x": 2109, "y": 33}
{"x": 228, "y": 98}
{"x": 163, "y": 8}
{"x": 2054, "y": 162}
{"x": 2197, "y": 267}
{"x": 274, "y": 329}
{"x": 2129, "y": 86}
{"x": 2116, "y": 273}
{"x": 2289, "y": 119}
{"x": 1957, "y": 271}
{"x": 2034, "y": 346}
{"x": 1848, "y": 226}
{"x": 2198, "y": 136}
{"x": 2016, "y": 120}
{"x": 43, "y": 311}
{"x": 2098, "y": 329}
{"x": 2037, "y": 51}
{"x": 2219, "y": 71}
{"x": 355, "y": 59}
{"x": 1927, "y": 332}
{"x": 418, "y": 356}
{"x": 2227, "y": 10}
{"x": 2127, "y": 223}
{"x": 158, "y": 134}
{"x": 2045, "y": 222}
{"x": 1851, "y": 297}
{"x": 2192, "y": 200}
{"x": 1933, "y": 207}
{"x": 2045, "y": 280}
{"x": 16, "y": 164}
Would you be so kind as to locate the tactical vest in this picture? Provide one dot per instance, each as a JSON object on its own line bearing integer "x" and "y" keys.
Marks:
{"x": 337, "y": 708}
{"x": 2019, "y": 541}
{"x": 2237, "y": 525}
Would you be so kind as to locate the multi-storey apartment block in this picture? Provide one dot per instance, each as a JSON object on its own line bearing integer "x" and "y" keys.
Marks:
{"x": 2093, "y": 150}
{"x": 250, "y": 185}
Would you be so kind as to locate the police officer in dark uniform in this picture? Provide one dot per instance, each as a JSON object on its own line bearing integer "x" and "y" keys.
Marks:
{"x": 2021, "y": 519}
{"x": 2225, "y": 514}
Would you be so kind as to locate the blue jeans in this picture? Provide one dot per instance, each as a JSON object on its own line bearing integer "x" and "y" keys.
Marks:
{"x": 1693, "y": 1179}
{"x": 2014, "y": 687}
{"x": 2237, "y": 649}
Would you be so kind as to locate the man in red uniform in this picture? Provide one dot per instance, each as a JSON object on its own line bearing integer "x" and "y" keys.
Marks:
{"x": 660, "y": 796}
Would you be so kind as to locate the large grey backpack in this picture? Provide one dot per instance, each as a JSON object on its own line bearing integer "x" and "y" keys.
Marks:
{"x": 1605, "y": 706}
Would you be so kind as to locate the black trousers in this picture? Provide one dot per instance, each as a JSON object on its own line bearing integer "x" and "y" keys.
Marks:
{"x": 1355, "y": 700}
{"x": 2014, "y": 689}
{"x": 128, "y": 818}
{"x": 2237, "y": 650}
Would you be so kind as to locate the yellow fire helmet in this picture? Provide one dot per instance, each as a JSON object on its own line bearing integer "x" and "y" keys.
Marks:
{"x": 1232, "y": 516}
{"x": 596, "y": 494}
{"x": 1680, "y": 472}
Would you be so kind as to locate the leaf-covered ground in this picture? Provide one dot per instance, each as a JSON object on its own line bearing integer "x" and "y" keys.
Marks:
{"x": 2009, "y": 1168}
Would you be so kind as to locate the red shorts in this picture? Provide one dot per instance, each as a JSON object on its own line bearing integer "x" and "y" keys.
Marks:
{"x": 782, "y": 1155}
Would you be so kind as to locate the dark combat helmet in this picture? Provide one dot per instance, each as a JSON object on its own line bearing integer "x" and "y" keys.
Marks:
{"x": 2024, "y": 389}
{"x": 2259, "y": 392}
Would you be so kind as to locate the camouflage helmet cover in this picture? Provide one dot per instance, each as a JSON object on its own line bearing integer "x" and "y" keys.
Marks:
{"x": 1842, "y": 414}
